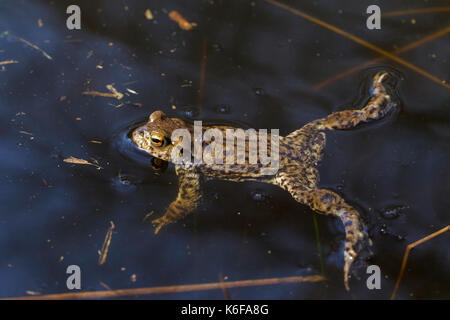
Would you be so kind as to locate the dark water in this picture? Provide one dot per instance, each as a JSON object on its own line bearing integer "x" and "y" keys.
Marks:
{"x": 261, "y": 66}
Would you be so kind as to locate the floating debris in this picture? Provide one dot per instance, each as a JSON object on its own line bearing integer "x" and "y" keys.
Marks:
{"x": 26, "y": 132}
{"x": 28, "y": 43}
{"x": 148, "y": 14}
{"x": 106, "y": 244}
{"x": 114, "y": 93}
{"x": 40, "y": 23}
{"x": 182, "y": 22}
{"x": 8, "y": 62}
{"x": 132, "y": 91}
{"x": 81, "y": 161}
{"x": 113, "y": 90}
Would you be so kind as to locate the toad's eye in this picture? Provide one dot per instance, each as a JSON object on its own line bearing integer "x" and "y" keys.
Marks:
{"x": 157, "y": 139}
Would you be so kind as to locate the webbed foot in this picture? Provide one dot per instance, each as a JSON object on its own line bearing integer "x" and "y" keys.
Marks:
{"x": 172, "y": 215}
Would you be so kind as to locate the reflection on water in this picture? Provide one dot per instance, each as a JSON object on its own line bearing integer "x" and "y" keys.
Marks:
{"x": 260, "y": 68}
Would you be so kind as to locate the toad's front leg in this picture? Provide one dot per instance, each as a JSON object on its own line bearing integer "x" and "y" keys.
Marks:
{"x": 187, "y": 199}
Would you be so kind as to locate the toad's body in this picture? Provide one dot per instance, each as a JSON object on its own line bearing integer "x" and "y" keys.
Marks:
{"x": 299, "y": 154}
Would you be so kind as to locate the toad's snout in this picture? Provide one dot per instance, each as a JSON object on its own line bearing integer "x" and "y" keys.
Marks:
{"x": 139, "y": 137}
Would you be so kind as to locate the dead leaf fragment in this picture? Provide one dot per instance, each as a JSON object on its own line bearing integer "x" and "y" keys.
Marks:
{"x": 80, "y": 161}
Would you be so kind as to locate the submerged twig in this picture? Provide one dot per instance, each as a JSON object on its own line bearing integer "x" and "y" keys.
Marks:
{"x": 30, "y": 44}
{"x": 360, "y": 41}
{"x": 202, "y": 72}
{"x": 172, "y": 289}
{"x": 224, "y": 289}
{"x": 319, "y": 248}
{"x": 415, "y": 11}
{"x": 363, "y": 65}
{"x": 405, "y": 256}
{"x": 114, "y": 93}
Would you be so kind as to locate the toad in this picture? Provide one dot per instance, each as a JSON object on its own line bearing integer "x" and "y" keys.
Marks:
{"x": 299, "y": 154}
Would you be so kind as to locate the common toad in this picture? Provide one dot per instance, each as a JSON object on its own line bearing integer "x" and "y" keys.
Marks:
{"x": 299, "y": 155}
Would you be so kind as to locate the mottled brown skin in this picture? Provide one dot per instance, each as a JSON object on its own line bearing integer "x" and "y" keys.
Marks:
{"x": 299, "y": 154}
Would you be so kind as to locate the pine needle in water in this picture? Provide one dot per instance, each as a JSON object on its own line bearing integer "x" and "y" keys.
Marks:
{"x": 106, "y": 244}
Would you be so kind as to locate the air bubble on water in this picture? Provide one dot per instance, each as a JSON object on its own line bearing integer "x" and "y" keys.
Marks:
{"x": 258, "y": 196}
{"x": 223, "y": 109}
{"x": 123, "y": 183}
{"x": 392, "y": 213}
{"x": 189, "y": 111}
{"x": 217, "y": 47}
{"x": 259, "y": 91}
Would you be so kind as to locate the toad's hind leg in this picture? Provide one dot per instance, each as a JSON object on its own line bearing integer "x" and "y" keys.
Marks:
{"x": 377, "y": 107}
{"x": 330, "y": 203}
